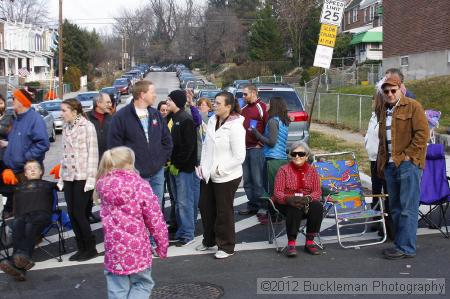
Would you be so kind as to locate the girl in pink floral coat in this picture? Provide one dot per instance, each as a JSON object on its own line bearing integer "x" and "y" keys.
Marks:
{"x": 130, "y": 213}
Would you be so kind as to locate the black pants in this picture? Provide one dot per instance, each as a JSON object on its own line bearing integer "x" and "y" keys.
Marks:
{"x": 172, "y": 217}
{"x": 294, "y": 216}
{"x": 26, "y": 229}
{"x": 77, "y": 201}
{"x": 216, "y": 208}
{"x": 379, "y": 187}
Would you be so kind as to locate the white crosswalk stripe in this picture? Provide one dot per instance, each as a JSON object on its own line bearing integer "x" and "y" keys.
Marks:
{"x": 241, "y": 225}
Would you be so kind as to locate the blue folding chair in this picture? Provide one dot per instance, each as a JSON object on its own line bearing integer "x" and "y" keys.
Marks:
{"x": 60, "y": 222}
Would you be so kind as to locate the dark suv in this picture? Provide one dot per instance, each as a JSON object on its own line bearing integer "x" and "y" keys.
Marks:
{"x": 298, "y": 128}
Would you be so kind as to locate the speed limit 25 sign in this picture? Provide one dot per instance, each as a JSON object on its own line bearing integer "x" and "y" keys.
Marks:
{"x": 332, "y": 12}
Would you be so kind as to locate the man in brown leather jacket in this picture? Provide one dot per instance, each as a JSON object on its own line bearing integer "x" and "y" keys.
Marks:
{"x": 403, "y": 134}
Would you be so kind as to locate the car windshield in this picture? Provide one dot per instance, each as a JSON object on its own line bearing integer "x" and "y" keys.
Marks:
{"x": 291, "y": 98}
{"x": 108, "y": 90}
{"x": 208, "y": 94}
{"x": 51, "y": 105}
{"x": 121, "y": 82}
{"x": 86, "y": 96}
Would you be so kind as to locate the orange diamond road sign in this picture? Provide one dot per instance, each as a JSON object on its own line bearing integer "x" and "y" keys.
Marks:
{"x": 327, "y": 35}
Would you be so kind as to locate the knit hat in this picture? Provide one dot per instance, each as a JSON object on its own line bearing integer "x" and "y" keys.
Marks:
{"x": 23, "y": 97}
{"x": 178, "y": 97}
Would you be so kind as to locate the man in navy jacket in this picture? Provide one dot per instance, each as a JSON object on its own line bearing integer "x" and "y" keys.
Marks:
{"x": 143, "y": 129}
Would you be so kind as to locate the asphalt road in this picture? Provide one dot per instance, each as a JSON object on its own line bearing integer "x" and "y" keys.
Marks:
{"x": 191, "y": 274}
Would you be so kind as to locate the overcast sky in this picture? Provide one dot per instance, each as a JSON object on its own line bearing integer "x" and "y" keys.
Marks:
{"x": 90, "y": 14}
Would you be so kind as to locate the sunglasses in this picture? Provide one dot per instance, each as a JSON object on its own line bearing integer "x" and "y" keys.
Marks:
{"x": 386, "y": 91}
{"x": 298, "y": 154}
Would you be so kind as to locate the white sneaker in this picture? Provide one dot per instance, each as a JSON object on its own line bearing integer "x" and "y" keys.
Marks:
{"x": 202, "y": 247}
{"x": 220, "y": 254}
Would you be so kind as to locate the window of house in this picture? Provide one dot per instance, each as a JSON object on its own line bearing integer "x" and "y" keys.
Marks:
{"x": 371, "y": 12}
{"x": 365, "y": 15}
{"x": 355, "y": 14}
{"x": 375, "y": 46}
{"x": 404, "y": 61}
{"x": 349, "y": 18}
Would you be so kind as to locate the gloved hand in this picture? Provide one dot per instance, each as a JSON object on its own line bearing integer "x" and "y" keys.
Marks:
{"x": 56, "y": 171}
{"x": 173, "y": 170}
{"x": 90, "y": 185}
{"x": 9, "y": 178}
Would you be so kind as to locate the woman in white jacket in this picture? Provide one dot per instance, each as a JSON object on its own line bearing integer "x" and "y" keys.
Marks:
{"x": 223, "y": 153}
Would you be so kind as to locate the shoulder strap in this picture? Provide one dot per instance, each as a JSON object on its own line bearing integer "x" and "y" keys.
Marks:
{"x": 260, "y": 110}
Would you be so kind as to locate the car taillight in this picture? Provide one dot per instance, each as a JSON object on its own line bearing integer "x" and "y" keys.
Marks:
{"x": 298, "y": 116}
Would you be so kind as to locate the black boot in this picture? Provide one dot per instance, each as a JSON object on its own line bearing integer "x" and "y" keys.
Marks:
{"x": 81, "y": 249}
{"x": 90, "y": 251}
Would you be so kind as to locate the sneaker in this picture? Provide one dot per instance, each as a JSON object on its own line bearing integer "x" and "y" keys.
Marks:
{"x": 183, "y": 243}
{"x": 312, "y": 249}
{"x": 22, "y": 261}
{"x": 396, "y": 254}
{"x": 173, "y": 237}
{"x": 248, "y": 212}
{"x": 202, "y": 247}
{"x": 220, "y": 254}
{"x": 8, "y": 267}
{"x": 291, "y": 251}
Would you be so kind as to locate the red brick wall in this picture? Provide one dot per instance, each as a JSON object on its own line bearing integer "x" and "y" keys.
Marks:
{"x": 415, "y": 26}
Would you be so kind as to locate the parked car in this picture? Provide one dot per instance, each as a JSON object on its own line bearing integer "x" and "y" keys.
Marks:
{"x": 210, "y": 94}
{"x": 54, "y": 108}
{"x": 123, "y": 85}
{"x": 49, "y": 122}
{"x": 113, "y": 93}
{"x": 298, "y": 128}
{"x": 87, "y": 99}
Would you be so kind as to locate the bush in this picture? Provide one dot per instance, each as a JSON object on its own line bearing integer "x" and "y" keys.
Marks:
{"x": 91, "y": 86}
{"x": 72, "y": 76}
{"x": 254, "y": 69}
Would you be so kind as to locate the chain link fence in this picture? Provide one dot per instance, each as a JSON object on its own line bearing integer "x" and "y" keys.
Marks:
{"x": 350, "y": 110}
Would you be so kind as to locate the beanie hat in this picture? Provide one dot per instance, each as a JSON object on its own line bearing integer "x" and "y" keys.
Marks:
{"x": 178, "y": 97}
{"x": 23, "y": 97}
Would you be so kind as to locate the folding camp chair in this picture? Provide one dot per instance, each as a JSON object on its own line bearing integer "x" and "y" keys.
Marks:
{"x": 276, "y": 226}
{"x": 60, "y": 222}
{"x": 434, "y": 188}
{"x": 341, "y": 177}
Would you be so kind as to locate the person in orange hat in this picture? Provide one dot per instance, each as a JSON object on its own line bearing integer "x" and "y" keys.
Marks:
{"x": 27, "y": 140}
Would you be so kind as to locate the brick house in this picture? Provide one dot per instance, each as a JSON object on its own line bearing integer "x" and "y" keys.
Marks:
{"x": 363, "y": 19}
{"x": 417, "y": 37}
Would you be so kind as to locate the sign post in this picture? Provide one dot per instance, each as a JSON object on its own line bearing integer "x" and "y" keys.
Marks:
{"x": 330, "y": 19}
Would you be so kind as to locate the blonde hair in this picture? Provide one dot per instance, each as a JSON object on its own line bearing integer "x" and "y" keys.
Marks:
{"x": 120, "y": 157}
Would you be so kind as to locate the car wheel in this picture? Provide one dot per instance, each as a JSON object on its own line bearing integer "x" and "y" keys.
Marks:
{"x": 53, "y": 136}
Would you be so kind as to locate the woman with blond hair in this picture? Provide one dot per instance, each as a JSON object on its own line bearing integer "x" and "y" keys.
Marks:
{"x": 129, "y": 212}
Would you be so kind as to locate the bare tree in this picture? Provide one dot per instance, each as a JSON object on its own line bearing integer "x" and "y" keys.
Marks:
{"x": 294, "y": 16}
{"x": 25, "y": 11}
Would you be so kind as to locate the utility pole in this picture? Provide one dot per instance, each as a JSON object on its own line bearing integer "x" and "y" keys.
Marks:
{"x": 123, "y": 55}
{"x": 60, "y": 52}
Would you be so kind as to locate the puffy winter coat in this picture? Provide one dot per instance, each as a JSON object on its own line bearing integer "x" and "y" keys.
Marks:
{"x": 130, "y": 212}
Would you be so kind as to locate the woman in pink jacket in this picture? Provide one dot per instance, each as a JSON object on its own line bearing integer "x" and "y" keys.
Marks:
{"x": 129, "y": 212}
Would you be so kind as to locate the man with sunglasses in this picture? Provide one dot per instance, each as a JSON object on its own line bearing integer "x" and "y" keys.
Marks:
{"x": 255, "y": 114}
{"x": 403, "y": 138}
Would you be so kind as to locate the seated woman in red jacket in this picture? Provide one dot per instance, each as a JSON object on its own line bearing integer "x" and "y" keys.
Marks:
{"x": 294, "y": 182}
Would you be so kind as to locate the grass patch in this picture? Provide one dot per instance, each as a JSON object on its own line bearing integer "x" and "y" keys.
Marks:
{"x": 323, "y": 143}
{"x": 432, "y": 93}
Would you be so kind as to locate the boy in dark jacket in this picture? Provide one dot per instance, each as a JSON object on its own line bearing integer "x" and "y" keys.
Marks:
{"x": 183, "y": 161}
{"x": 33, "y": 202}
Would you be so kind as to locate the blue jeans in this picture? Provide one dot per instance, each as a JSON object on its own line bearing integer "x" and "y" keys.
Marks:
{"x": 134, "y": 286}
{"x": 157, "y": 183}
{"x": 253, "y": 168}
{"x": 403, "y": 186}
{"x": 183, "y": 194}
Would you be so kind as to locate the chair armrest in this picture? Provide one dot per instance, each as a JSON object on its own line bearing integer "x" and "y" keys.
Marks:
{"x": 382, "y": 196}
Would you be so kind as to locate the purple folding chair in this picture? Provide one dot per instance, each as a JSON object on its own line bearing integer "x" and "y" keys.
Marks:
{"x": 434, "y": 188}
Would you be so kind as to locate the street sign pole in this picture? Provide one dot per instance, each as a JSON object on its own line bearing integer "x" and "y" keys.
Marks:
{"x": 330, "y": 20}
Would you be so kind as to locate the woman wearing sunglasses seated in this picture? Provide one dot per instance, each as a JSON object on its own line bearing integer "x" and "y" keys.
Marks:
{"x": 297, "y": 195}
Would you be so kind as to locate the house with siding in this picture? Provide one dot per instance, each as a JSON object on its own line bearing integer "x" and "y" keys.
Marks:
{"x": 417, "y": 37}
